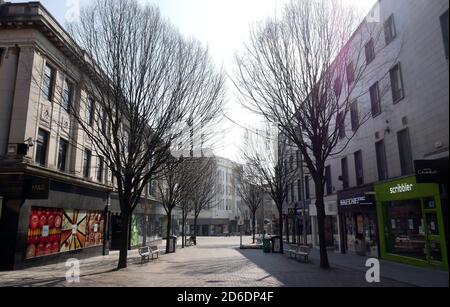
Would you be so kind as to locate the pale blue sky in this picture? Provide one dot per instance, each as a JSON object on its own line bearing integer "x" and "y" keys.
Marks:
{"x": 221, "y": 24}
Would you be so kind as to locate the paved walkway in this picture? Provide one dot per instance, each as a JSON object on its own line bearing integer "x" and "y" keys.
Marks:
{"x": 213, "y": 262}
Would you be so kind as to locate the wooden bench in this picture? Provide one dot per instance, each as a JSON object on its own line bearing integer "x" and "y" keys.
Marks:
{"x": 146, "y": 251}
{"x": 302, "y": 251}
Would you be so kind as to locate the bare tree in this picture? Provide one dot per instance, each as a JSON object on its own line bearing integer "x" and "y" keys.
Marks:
{"x": 251, "y": 192}
{"x": 304, "y": 72}
{"x": 138, "y": 83}
{"x": 267, "y": 162}
{"x": 204, "y": 192}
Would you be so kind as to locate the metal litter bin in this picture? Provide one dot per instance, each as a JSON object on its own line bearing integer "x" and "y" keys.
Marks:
{"x": 275, "y": 244}
{"x": 267, "y": 245}
{"x": 172, "y": 244}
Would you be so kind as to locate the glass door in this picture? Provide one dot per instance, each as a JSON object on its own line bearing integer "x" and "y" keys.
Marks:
{"x": 434, "y": 255}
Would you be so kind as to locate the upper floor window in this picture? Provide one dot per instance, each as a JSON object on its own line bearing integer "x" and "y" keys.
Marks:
{"x": 328, "y": 180}
{"x": 359, "y": 168}
{"x": 340, "y": 125}
{"x": 299, "y": 189}
{"x": 62, "y": 154}
{"x": 41, "y": 147}
{"x": 2, "y": 52}
{"x": 99, "y": 169}
{"x": 389, "y": 29}
{"x": 370, "y": 51}
{"x": 444, "y": 27}
{"x": 307, "y": 195}
{"x": 67, "y": 95}
{"x": 381, "y": 160}
{"x": 354, "y": 115}
{"x": 375, "y": 99}
{"x": 49, "y": 82}
{"x": 350, "y": 73}
{"x": 90, "y": 111}
{"x": 404, "y": 148}
{"x": 87, "y": 163}
{"x": 344, "y": 169}
{"x": 398, "y": 92}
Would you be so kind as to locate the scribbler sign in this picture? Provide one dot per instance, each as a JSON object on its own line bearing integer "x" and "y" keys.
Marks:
{"x": 401, "y": 188}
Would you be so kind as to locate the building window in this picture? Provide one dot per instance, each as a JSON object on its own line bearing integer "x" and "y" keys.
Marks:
{"x": 444, "y": 27}
{"x": 292, "y": 192}
{"x": 396, "y": 83}
{"x": 297, "y": 154}
{"x": 299, "y": 189}
{"x": 62, "y": 154}
{"x": 2, "y": 51}
{"x": 404, "y": 148}
{"x": 90, "y": 111}
{"x": 350, "y": 73}
{"x": 328, "y": 180}
{"x": 344, "y": 169}
{"x": 67, "y": 95}
{"x": 389, "y": 29}
{"x": 359, "y": 168}
{"x": 41, "y": 147}
{"x": 375, "y": 99}
{"x": 291, "y": 162}
{"x": 99, "y": 169}
{"x": 341, "y": 125}
{"x": 87, "y": 163}
{"x": 49, "y": 82}
{"x": 381, "y": 160}
{"x": 354, "y": 116}
{"x": 370, "y": 51}
{"x": 307, "y": 196}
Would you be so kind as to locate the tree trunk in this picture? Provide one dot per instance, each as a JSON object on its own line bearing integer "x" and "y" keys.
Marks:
{"x": 280, "y": 229}
{"x": 195, "y": 230}
{"x": 125, "y": 235}
{"x": 169, "y": 226}
{"x": 253, "y": 225}
{"x": 183, "y": 226}
{"x": 324, "y": 264}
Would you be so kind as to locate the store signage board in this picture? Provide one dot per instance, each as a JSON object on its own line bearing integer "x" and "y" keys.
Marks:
{"x": 431, "y": 171}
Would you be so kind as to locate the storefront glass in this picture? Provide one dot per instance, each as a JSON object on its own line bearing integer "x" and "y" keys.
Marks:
{"x": 406, "y": 234}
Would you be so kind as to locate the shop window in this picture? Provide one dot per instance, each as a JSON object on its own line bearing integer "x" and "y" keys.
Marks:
{"x": 375, "y": 100}
{"x": 2, "y": 51}
{"x": 406, "y": 233}
{"x": 62, "y": 154}
{"x": 404, "y": 147}
{"x": 397, "y": 89}
{"x": 381, "y": 160}
{"x": 41, "y": 147}
{"x": 49, "y": 82}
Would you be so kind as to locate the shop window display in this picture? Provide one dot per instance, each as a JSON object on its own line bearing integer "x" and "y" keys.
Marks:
{"x": 73, "y": 230}
{"x": 406, "y": 235}
{"x": 44, "y": 231}
{"x": 95, "y": 223}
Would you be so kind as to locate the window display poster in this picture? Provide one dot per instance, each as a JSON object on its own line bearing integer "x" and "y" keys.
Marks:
{"x": 44, "y": 231}
{"x": 360, "y": 224}
{"x": 73, "y": 230}
{"x": 95, "y": 223}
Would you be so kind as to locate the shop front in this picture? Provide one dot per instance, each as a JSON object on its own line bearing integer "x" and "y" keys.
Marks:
{"x": 411, "y": 223}
{"x": 50, "y": 221}
{"x": 358, "y": 220}
{"x": 332, "y": 229}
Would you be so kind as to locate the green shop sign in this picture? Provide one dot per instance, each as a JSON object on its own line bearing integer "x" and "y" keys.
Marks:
{"x": 411, "y": 222}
